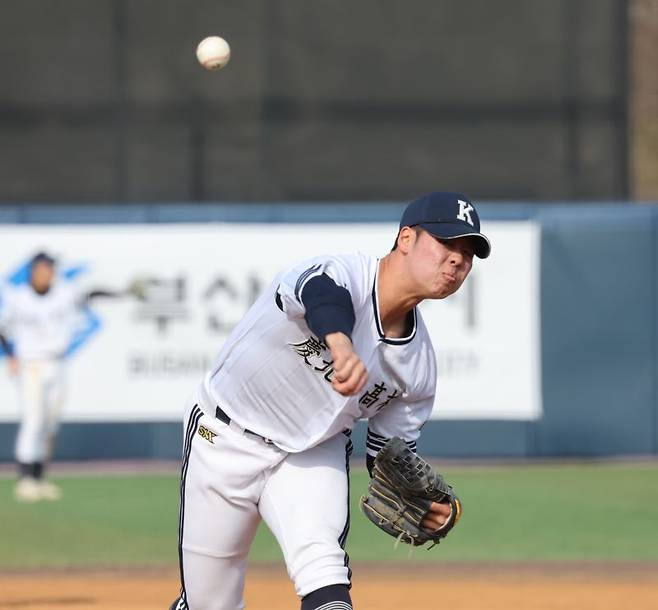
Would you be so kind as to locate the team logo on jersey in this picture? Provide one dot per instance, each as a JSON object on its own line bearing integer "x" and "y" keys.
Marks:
{"x": 378, "y": 396}
{"x": 207, "y": 434}
{"x": 465, "y": 210}
{"x": 315, "y": 353}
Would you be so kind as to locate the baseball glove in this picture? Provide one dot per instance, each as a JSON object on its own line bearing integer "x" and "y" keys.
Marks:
{"x": 401, "y": 491}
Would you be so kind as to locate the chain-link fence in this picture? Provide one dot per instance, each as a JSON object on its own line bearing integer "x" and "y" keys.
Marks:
{"x": 323, "y": 100}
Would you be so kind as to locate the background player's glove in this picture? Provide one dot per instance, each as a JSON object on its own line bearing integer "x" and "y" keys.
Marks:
{"x": 138, "y": 288}
{"x": 401, "y": 491}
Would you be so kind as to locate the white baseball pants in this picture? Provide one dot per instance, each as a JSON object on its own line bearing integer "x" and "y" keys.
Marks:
{"x": 41, "y": 393}
{"x": 232, "y": 479}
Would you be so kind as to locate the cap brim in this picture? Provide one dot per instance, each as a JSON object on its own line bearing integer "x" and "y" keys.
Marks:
{"x": 447, "y": 230}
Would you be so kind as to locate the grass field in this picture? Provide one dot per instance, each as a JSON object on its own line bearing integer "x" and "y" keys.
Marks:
{"x": 517, "y": 513}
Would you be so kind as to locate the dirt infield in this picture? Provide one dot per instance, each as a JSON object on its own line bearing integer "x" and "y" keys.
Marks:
{"x": 455, "y": 586}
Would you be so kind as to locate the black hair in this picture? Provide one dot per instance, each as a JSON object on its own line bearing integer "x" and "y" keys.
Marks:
{"x": 416, "y": 228}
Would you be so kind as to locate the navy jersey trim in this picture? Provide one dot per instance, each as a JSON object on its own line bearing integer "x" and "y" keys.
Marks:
{"x": 278, "y": 300}
{"x": 302, "y": 278}
{"x": 342, "y": 539}
{"x": 375, "y": 442}
{"x": 378, "y": 322}
{"x": 192, "y": 425}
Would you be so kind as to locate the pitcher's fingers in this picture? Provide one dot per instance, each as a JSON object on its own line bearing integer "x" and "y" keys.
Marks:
{"x": 442, "y": 509}
{"x": 433, "y": 522}
{"x": 351, "y": 386}
{"x": 351, "y": 368}
{"x": 343, "y": 367}
{"x": 354, "y": 383}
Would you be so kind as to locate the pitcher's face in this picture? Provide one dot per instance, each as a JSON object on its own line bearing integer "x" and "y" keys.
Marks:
{"x": 440, "y": 266}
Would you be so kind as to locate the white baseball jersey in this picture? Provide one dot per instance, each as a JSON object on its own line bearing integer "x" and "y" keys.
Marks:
{"x": 274, "y": 377}
{"x": 40, "y": 325}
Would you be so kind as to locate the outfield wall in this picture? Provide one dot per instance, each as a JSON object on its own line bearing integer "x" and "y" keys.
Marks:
{"x": 596, "y": 336}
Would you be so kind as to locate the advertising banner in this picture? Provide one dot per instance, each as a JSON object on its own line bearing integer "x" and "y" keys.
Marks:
{"x": 138, "y": 360}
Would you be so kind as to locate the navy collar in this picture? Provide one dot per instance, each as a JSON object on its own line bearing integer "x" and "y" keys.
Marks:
{"x": 378, "y": 321}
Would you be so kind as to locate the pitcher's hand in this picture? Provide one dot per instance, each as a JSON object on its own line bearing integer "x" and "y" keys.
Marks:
{"x": 350, "y": 373}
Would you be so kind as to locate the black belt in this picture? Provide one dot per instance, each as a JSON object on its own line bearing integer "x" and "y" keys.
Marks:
{"x": 221, "y": 416}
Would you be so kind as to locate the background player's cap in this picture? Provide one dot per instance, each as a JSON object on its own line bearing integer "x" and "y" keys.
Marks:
{"x": 447, "y": 216}
{"x": 42, "y": 257}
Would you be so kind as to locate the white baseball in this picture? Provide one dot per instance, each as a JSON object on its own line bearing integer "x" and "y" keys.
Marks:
{"x": 213, "y": 53}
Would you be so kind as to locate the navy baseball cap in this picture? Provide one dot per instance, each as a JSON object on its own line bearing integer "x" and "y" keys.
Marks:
{"x": 447, "y": 216}
{"x": 42, "y": 257}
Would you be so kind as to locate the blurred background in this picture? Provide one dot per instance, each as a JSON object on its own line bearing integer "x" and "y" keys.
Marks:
{"x": 123, "y": 158}
{"x": 544, "y": 113}
{"x": 526, "y": 101}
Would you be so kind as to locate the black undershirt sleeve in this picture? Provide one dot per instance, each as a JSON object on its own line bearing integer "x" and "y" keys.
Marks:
{"x": 6, "y": 346}
{"x": 85, "y": 298}
{"x": 328, "y": 307}
{"x": 104, "y": 293}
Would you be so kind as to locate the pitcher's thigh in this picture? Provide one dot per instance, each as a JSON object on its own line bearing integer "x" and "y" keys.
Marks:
{"x": 217, "y": 526}
{"x": 306, "y": 505}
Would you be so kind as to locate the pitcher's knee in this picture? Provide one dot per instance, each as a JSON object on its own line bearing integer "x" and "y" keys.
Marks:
{"x": 312, "y": 571}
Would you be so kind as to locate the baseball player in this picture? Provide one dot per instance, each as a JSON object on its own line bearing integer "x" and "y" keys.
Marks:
{"x": 332, "y": 340}
{"x": 37, "y": 321}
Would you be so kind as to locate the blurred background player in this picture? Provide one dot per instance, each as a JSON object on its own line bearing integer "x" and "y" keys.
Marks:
{"x": 37, "y": 322}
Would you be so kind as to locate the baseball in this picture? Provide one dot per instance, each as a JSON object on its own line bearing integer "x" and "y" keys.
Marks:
{"x": 213, "y": 53}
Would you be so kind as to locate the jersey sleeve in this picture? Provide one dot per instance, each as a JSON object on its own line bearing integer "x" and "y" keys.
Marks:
{"x": 78, "y": 295}
{"x": 401, "y": 419}
{"x": 346, "y": 271}
{"x": 6, "y": 310}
